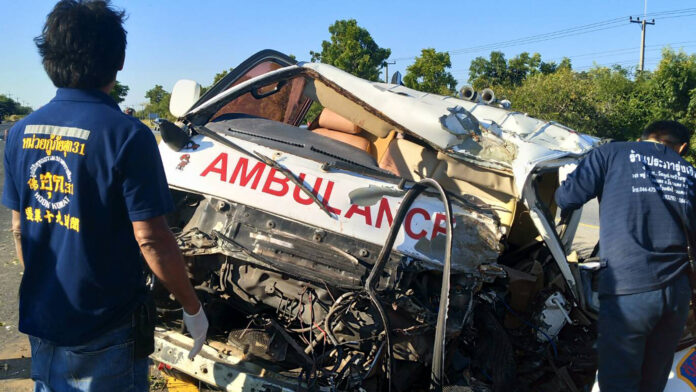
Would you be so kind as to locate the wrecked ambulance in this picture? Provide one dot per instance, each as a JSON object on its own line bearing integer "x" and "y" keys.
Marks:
{"x": 393, "y": 240}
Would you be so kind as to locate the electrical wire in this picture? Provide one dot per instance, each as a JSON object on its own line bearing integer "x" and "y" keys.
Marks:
{"x": 563, "y": 33}
{"x": 610, "y": 23}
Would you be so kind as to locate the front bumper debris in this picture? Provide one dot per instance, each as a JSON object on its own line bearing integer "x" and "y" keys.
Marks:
{"x": 226, "y": 369}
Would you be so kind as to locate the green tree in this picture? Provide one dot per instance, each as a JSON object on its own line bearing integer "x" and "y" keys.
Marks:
{"x": 521, "y": 66}
{"x": 492, "y": 72}
{"x": 352, "y": 49}
{"x": 218, "y": 76}
{"x": 497, "y": 71}
{"x": 551, "y": 67}
{"x": 610, "y": 101}
{"x": 119, "y": 92}
{"x": 429, "y": 73}
{"x": 560, "y": 96}
{"x": 158, "y": 103}
{"x": 156, "y": 94}
{"x": 9, "y": 106}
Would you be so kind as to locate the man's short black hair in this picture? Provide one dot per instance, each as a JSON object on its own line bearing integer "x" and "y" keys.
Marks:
{"x": 83, "y": 43}
{"x": 669, "y": 132}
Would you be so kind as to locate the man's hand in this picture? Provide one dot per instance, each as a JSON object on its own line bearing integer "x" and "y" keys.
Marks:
{"x": 197, "y": 325}
{"x": 164, "y": 259}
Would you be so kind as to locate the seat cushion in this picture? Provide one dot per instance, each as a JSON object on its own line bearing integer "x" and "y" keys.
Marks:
{"x": 331, "y": 120}
{"x": 353, "y": 140}
{"x": 408, "y": 160}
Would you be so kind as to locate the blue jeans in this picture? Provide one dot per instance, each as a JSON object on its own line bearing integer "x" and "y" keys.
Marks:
{"x": 105, "y": 363}
{"x": 638, "y": 334}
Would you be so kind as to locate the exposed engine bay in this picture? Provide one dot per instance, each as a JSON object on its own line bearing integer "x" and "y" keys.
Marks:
{"x": 302, "y": 310}
{"x": 399, "y": 241}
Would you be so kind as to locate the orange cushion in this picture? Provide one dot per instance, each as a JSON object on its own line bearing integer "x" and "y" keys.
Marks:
{"x": 331, "y": 120}
{"x": 353, "y": 140}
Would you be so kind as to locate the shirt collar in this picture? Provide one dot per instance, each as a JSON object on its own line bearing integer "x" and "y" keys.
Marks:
{"x": 84, "y": 95}
{"x": 651, "y": 141}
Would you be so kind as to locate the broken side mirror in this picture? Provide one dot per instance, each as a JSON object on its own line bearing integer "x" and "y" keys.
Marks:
{"x": 184, "y": 94}
{"x": 173, "y": 136}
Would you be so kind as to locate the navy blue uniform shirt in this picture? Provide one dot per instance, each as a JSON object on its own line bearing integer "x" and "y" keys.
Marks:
{"x": 79, "y": 171}
{"x": 645, "y": 191}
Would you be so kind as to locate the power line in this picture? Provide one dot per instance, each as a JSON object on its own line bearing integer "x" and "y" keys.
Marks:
{"x": 611, "y": 23}
{"x": 622, "y": 62}
{"x": 620, "y": 50}
{"x": 572, "y": 31}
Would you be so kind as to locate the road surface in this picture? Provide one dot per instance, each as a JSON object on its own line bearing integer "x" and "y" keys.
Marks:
{"x": 4, "y": 126}
{"x": 14, "y": 346}
{"x": 587, "y": 234}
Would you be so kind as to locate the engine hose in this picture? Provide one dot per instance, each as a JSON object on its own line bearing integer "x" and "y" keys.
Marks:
{"x": 330, "y": 313}
{"x": 378, "y": 267}
{"x": 329, "y": 332}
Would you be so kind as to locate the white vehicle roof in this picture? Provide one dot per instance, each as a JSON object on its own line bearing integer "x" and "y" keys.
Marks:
{"x": 486, "y": 135}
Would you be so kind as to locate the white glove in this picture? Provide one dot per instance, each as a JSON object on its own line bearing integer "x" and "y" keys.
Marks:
{"x": 197, "y": 325}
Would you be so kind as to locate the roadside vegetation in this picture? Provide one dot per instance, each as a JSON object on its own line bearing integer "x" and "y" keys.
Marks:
{"x": 610, "y": 102}
{"x": 11, "y": 110}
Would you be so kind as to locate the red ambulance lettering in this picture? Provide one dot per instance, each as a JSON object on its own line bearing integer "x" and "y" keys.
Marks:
{"x": 272, "y": 179}
{"x": 298, "y": 192}
{"x": 213, "y": 167}
{"x": 365, "y": 212}
{"x": 383, "y": 211}
{"x": 327, "y": 197}
{"x": 246, "y": 176}
{"x": 408, "y": 224}
{"x": 440, "y": 225}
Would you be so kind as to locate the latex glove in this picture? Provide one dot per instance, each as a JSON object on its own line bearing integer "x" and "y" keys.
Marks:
{"x": 197, "y": 325}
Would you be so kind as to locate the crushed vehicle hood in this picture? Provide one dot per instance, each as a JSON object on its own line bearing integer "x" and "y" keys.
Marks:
{"x": 482, "y": 134}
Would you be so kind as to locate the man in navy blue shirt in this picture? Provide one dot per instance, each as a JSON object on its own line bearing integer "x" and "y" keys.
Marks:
{"x": 88, "y": 194}
{"x": 646, "y": 200}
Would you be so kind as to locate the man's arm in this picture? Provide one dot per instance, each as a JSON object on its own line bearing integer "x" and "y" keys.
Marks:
{"x": 584, "y": 183}
{"x": 164, "y": 259}
{"x": 17, "y": 234}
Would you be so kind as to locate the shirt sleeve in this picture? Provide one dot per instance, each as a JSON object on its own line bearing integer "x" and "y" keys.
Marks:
{"x": 10, "y": 193}
{"x": 144, "y": 184}
{"x": 584, "y": 183}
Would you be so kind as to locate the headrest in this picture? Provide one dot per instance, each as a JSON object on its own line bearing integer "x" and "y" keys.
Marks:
{"x": 331, "y": 120}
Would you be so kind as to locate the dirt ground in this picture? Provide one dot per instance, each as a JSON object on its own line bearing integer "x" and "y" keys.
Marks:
{"x": 14, "y": 346}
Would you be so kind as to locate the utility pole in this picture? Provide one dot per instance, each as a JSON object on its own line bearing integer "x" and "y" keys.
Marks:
{"x": 643, "y": 23}
{"x": 386, "y": 70}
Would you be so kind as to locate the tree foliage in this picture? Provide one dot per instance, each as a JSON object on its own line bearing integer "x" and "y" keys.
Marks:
{"x": 218, "y": 77}
{"x": 352, "y": 49}
{"x": 158, "y": 103}
{"x": 497, "y": 71}
{"x": 119, "y": 92}
{"x": 9, "y": 106}
{"x": 610, "y": 101}
{"x": 429, "y": 73}
{"x": 156, "y": 94}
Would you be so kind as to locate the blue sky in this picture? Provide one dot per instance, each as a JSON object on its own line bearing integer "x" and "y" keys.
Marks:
{"x": 175, "y": 39}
